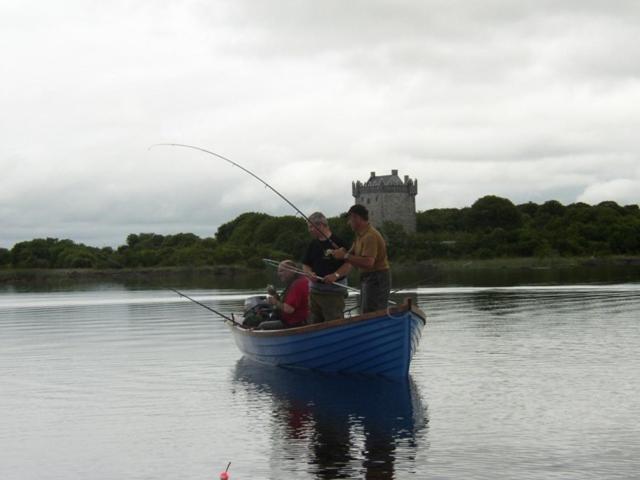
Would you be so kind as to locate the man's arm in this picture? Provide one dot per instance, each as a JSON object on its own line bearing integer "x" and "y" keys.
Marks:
{"x": 360, "y": 261}
{"x": 366, "y": 260}
{"x": 342, "y": 271}
{"x": 285, "y": 307}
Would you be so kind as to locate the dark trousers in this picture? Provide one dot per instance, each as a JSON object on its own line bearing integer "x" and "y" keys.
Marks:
{"x": 326, "y": 306}
{"x": 374, "y": 290}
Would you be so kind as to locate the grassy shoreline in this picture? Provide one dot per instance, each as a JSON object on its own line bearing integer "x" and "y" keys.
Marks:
{"x": 230, "y": 272}
{"x": 532, "y": 263}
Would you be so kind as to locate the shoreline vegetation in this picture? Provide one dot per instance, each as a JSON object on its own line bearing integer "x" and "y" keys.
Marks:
{"x": 439, "y": 269}
{"x": 491, "y": 235}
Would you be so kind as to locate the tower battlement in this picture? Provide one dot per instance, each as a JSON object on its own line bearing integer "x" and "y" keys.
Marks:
{"x": 388, "y": 199}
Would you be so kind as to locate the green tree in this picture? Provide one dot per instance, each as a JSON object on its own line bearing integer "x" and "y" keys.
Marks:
{"x": 396, "y": 238}
{"x": 246, "y": 222}
{"x": 341, "y": 228}
{"x": 5, "y": 257}
{"x": 441, "y": 220}
{"x": 491, "y": 212}
{"x": 529, "y": 208}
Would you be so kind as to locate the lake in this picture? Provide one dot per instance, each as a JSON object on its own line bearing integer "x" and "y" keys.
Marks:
{"x": 106, "y": 381}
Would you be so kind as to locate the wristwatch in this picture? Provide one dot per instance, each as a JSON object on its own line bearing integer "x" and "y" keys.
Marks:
{"x": 337, "y": 275}
{"x": 346, "y": 256}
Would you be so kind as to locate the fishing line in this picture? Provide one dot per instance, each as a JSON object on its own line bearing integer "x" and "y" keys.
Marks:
{"x": 246, "y": 170}
{"x": 413, "y": 286}
{"x": 203, "y": 305}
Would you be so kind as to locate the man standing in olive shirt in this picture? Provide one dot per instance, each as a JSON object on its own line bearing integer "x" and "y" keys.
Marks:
{"x": 369, "y": 254}
{"x": 326, "y": 299}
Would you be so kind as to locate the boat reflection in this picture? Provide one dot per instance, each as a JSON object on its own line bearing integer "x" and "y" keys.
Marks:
{"x": 347, "y": 426}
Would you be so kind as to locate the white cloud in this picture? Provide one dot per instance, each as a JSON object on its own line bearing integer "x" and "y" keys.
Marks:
{"x": 530, "y": 100}
{"x": 621, "y": 190}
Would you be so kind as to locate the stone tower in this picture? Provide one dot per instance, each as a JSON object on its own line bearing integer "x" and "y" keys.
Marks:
{"x": 388, "y": 199}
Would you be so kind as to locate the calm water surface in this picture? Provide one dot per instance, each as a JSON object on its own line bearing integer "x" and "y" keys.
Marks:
{"x": 519, "y": 382}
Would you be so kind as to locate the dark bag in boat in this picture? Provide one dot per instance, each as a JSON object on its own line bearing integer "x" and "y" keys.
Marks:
{"x": 256, "y": 310}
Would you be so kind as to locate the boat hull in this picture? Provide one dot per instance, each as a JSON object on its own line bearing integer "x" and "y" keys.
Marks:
{"x": 379, "y": 343}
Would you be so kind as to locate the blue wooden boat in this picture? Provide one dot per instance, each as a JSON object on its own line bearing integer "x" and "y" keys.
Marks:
{"x": 376, "y": 343}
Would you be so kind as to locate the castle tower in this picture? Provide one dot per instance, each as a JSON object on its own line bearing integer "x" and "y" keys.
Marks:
{"x": 388, "y": 199}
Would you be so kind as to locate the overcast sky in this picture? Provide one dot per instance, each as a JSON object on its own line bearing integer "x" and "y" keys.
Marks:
{"x": 528, "y": 100}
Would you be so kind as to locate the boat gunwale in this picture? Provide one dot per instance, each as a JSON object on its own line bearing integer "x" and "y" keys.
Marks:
{"x": 408, "y": 306}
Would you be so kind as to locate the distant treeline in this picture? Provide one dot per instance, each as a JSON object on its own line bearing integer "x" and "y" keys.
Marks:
{"x": 492, "y": 227}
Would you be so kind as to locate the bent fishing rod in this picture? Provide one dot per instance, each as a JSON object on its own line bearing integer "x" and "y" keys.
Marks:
{"x": 226, "y": 317}
{"x": 246, "y": 170}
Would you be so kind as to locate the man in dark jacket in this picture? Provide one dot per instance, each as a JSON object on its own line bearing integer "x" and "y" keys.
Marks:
{"x": 326, "y": 300}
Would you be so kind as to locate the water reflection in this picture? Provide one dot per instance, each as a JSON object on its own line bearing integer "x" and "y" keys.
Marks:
{"x": 496, "y": 302}
{"x": 350, "y": 426}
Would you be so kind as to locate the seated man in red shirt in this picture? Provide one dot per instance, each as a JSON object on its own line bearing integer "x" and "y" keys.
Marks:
{"x": 293, "y": 309}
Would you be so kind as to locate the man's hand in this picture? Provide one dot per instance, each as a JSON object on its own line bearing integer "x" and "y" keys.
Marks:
{"x": 338, "y": 254}
{"x": 271, "y": 300}
{"x": 329, "y": 279}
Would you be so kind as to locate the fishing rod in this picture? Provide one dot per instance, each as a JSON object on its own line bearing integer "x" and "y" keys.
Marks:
{"x": 246, "y": 170}
{"x": 203, "y": 305}
{"x": 393, "y": 292}
{"x": 412, "y": 285}
{"x": 273, "y": 263}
